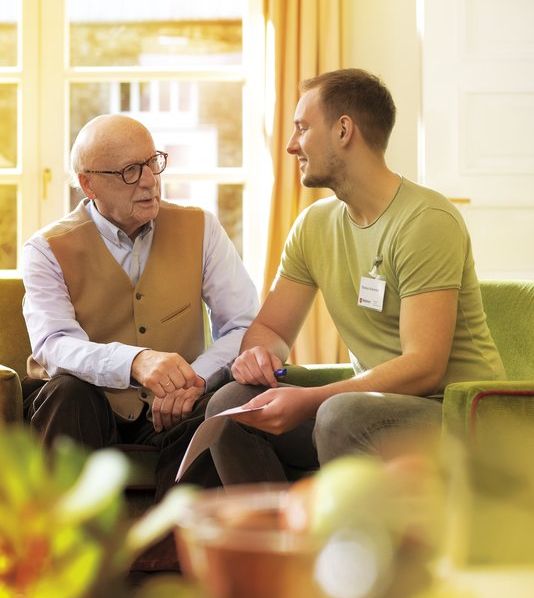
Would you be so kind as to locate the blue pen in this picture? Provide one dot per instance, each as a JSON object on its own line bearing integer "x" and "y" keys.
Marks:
{"x": 281, "y": 372}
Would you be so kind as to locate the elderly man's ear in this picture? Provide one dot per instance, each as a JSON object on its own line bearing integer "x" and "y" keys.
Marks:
{"x": 85, "y": 184}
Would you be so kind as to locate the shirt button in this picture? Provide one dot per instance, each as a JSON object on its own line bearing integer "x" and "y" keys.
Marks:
{"x": 138, "y": 296}
{"x": 142, "y": 329}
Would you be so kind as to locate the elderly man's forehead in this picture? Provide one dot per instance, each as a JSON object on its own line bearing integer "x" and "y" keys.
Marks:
{"x": 115, "y": 137}
{"x": 115, "y": 128}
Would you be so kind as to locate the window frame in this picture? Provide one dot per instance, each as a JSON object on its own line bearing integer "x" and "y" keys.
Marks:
{"x": 43, "y": 77}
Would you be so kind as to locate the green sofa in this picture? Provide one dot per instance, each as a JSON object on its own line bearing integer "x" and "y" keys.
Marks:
{"x": 471, "y": 408}
{"x": 509, "y": 307}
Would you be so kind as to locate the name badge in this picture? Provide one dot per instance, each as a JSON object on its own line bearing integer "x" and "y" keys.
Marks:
{"x": 372, "y": 291}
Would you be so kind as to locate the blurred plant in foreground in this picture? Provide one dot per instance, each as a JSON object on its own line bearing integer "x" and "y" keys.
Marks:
{"x": 63, "y": 532}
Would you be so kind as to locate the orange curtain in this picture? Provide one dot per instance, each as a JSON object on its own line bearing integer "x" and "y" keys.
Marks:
{"x": 305, "y": 39}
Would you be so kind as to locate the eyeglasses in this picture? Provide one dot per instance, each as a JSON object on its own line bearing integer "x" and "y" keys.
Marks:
{"x": 131, "y": 173}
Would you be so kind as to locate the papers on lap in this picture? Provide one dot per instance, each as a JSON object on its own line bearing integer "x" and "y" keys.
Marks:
{"x": 207, "y": 433}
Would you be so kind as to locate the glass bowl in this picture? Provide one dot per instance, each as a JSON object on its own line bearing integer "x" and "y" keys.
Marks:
{"x": 234, "y": 542}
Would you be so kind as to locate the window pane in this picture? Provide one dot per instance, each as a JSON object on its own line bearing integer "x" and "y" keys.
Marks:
{"x": 225, "y": 201}
{"x": 8, "y": 126}
{"x": 8, "y": 227}
{"x": 158, "y": 34}
{"x": 198, "y": 123}
{"x": 9, "y": 17}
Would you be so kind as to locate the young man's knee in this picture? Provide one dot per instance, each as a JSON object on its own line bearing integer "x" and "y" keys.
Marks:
{"x": 231, "y": 395}
{"x": 334, "y": 411}
{"x": 223, "y": 399}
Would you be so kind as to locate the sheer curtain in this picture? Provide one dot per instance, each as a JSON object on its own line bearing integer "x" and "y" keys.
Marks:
{"x": 305, "y": 39}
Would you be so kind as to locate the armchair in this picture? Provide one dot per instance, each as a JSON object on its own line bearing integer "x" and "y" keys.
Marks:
{"x": 492, "y": 497}
{"x": 509, "y": 307}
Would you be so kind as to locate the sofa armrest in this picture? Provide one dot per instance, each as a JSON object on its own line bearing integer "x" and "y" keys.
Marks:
{"x": 492, "y": 482}
{"x": 317, "y": 374}
{"x": 467, "y": 404}
{"x": 10, "y": 395}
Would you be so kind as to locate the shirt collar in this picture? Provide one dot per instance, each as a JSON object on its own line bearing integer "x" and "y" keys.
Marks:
{"x": 109, "y": 230}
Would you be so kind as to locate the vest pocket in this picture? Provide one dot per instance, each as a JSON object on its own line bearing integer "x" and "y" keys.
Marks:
{"x": 175, "y": 313}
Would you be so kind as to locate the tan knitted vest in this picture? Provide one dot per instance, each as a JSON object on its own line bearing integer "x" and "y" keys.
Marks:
{"x": 163, "y": 311}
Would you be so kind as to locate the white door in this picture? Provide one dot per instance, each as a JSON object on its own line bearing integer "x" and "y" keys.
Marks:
{"x": 478, "y": 123}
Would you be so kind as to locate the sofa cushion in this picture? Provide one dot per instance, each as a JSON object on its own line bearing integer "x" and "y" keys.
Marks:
{"x": 14, "y": 341}
{"x": 10, "y": 395}
{"x": 509, "y": 307}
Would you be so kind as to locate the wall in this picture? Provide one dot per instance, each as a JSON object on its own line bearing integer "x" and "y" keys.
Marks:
{"x": 381, "y": 36}
{"x": 473, "y": 85}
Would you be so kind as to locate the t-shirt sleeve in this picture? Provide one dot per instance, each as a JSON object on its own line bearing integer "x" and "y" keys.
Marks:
{"x": 293, "y": 263}
{"x": 430, "y": 253}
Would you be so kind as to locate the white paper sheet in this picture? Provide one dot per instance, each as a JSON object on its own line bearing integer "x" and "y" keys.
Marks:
{"x": 207, "y": 433}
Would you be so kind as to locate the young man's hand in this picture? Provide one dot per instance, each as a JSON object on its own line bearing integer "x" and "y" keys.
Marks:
{"x": 256, "y": 366}
{"x": 285, "y": 408}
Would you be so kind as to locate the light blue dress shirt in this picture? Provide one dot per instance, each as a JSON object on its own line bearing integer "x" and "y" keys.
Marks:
{"x": 59, "y": 343}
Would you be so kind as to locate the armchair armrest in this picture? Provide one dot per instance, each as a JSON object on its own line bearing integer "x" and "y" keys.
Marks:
{"x": 493, "y": 485}
{"x": 10, "y": 395}
{"x": 467, "y": 404}
{"x": 317, "y": 374}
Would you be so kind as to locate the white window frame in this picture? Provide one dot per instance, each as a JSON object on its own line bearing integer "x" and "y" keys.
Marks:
{"x": 52, "y": 115}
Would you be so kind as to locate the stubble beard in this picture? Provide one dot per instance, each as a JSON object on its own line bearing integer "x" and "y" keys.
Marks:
{"x": 334, "y": 173}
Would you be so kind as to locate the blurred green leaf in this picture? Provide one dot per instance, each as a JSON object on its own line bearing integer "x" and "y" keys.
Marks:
{"x": 61, "y": 517}
{"x": 68, "y": 459}
{"x": 162, "y": 518}
{"x": 23, "y": 467}
{"x": 102, "y": 480}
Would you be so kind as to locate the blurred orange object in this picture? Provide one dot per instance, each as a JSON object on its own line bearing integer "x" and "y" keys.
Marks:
{"x": 236, "y": 544}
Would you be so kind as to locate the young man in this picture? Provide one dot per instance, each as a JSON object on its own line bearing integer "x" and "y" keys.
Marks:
{"x": 113, "y": 305}
{"x": 394, "y": 263}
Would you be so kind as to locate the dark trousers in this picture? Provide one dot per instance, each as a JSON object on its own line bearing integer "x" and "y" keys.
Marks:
{"x": 68, "y": 406}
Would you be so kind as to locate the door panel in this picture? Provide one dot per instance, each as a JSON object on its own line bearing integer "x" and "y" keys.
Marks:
{"x": 478, "y": 115}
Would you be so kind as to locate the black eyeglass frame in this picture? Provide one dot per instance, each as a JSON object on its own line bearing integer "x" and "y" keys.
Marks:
{"x": 140, "y": 166}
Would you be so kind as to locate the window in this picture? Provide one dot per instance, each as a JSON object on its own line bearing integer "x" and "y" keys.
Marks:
{"x": 184, "y": 69}
{"x": 9, "y": 142}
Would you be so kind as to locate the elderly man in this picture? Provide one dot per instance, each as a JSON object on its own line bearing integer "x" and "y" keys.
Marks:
{"x": 393, "y": 261}
{"x": 113, "y": 305}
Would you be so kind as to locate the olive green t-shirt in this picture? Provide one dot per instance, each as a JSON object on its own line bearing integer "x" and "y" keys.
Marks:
{"x": 421, "y": 244}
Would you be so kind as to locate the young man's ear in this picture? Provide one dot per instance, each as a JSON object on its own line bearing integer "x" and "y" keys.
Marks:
{"x": 345, "y": 129}
{"x": 85, "y": 184}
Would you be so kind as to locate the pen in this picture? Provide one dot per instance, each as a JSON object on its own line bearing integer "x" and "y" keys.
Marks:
{"x": 281, "y": 372}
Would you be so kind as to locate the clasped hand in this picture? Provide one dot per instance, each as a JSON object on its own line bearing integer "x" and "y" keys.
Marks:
{"x": 176, "y": 386}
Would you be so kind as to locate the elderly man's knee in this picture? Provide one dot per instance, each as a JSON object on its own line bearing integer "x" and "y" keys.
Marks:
{"x": 67, "y": 392}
